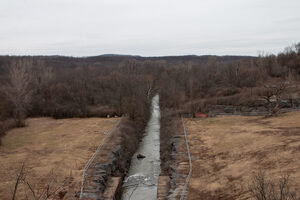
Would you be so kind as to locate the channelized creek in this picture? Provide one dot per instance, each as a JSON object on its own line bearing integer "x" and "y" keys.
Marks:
{"x": 142, "y": 179}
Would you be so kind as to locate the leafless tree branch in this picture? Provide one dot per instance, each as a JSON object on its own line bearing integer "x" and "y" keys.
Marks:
{"x": 19, "y": 178}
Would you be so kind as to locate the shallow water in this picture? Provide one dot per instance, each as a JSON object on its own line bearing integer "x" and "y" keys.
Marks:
{"x": 141, "y": 181}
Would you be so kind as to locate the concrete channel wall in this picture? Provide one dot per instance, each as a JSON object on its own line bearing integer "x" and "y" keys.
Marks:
{"x": 104, "y": 176}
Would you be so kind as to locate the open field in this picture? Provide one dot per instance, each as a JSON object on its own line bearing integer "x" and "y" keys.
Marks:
{"x": 49, "y": 147}
{"x": 227, "y": 151}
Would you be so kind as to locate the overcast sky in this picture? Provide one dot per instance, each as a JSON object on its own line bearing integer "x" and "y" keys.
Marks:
{"x": 147, "y": 27}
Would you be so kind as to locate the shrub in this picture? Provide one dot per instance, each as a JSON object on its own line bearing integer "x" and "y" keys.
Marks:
{"x": 5, "y": 125}
{"x": 264, "y": 189}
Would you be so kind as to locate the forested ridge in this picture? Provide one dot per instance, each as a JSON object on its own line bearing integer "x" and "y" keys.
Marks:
{"x": 114, "y": 85}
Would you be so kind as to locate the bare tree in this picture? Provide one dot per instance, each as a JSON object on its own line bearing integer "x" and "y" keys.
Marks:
{"x": 150, "y": 81}
{"x": 272, "y": 96}
{"x": 263, "y": 189}
{"x": 42, "y": 79}
{"x": 17, "y": 89}
{"x": 297, "y": 48}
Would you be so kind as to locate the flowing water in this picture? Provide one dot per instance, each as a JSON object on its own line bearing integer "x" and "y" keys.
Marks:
{"x": 141, "y": 181}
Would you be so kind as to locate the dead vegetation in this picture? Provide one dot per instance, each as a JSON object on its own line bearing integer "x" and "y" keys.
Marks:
{"x": 53, "y": 151}
{"x": 31, "y": 88}
{"x": 168, "y": 130}
{"x": 17, "y": 89}
{"x": 226, "y": 151}
{"x": 262, "y": 188}
{"x": 64, "y": 87}
{"x": 273, "y": 94}
{"x": 49, "y": 189}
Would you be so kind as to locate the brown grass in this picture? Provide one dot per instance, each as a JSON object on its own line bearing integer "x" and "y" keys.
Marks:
{"x": 62, "y": 146}
{"x": 227, "y": 151}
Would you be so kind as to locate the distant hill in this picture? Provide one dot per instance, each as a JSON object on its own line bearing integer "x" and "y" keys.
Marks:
{"x": 203, "y": 58}
{"x": 115, "y": 59}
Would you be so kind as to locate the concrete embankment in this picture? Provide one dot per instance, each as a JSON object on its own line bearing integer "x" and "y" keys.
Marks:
{"x": 106, "y": 172}
{"x": 174, "y": 159}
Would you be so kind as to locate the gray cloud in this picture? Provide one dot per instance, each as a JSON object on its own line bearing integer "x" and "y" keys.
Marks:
{"x": 149, "y": 28}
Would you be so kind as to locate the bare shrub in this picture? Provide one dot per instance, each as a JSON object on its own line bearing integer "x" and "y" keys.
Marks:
{"x": 2, "y": 131}
{"x": 6, "y": 125}
{"x": 130, "y": 133}
{"x": 272, "y": 95}
{"x": 228, "y": 91}
{"x": 101, "y": 111}
{"x": 262, "y": 188}
{"x": 42, "y": 191}
{"x": 170, "y": 126}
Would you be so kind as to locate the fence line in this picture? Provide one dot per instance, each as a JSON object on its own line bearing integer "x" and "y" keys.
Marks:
{"x": 190, "y": 162}
{"x": 93, "y": 157}
{"x": 261, "y": 113}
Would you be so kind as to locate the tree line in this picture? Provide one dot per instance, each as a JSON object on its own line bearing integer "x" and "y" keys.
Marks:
{"x": 63, "y": 87}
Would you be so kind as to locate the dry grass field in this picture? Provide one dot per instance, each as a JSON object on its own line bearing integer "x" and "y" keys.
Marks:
{"x": 227, "y": 151}
{"x": 50, "y": 148}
